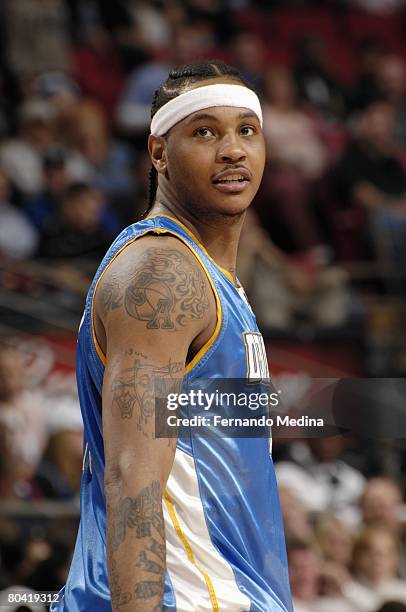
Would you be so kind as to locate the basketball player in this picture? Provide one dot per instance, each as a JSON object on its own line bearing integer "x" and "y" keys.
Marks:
{"x": 195, "y": 525}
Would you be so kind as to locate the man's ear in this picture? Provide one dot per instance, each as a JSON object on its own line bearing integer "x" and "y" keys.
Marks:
{"x": 157, "y": 151}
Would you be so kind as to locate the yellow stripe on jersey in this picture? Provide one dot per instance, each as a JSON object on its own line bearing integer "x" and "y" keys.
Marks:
{"x": 189, "y": 552}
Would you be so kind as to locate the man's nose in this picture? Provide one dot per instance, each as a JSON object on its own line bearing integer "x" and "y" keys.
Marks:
{"x": 230, "y": 150}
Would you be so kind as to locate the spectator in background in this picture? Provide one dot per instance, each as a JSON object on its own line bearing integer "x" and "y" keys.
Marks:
{"x": 308, "y": 573}
{"x": 381, "y": 504}
{"x": 335, "y": 540}
{"x": 134, "y": 108}
{"x": 391, "y": 77}
{"x": 369, "y": 172}
{"x": 321, "y": 478}
{"x": 370, "y": 175}
{"x": 23, "y": 423}
{"x": 296, "y": 159}
{"x": 36, "y": 36}
{"x": 304, "y": 573}
{"x": 21, "y": 157}
{"x": 58, "y": 475}
{"x": 281, "y": 289}
{"x": 316, "y": 83}
{"x": 376, "y": 570}
{"x": 131, "y": 207}
{"x": 291, "y": 136}
{"x": 296, "y": 520}
{"x": 107, "y": 161}
{"x": 381, "y": 7}
{"x": 77, "y": 230}
{"x": 41, "y": 208}
{"x": 97, "y": 67}
{"x": 365, "y": 88}
{"x": 248, "y": 55}
{"x": 18, "y": 238}
{"x": 392, "y": 606}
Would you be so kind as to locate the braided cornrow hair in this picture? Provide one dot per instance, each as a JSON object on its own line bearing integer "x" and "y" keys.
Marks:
{"x": 179, "y": 80}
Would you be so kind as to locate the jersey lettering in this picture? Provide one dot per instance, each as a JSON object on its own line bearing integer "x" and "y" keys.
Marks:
{"x": 257, "y": 364}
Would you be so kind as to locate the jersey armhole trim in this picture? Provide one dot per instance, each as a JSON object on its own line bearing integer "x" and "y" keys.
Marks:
{"x": 205, "y": 348}
{"x": 199, "y": 244}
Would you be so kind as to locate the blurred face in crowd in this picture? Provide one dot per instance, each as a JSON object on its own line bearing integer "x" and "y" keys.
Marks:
{"x": 377, "y": 125}
{"x": 335, "y": 540}
{"x": 392, "y": 78}
{"x": 89, "y": 133}
{"x": 280, "y": 88}
{"x": 83, "y": 210}
{"x": 295, "y": 518}
{"x": 376, "y": 557}
{"x": 369, "y": 59}
{"x": 313, "y": 51}
{"x": 304, "y": 573}
{"x": 56, "y": 178}
{"x": 65, "y": 451}
{"x": 203, "y": 151}
{"x": 11, "y": 373}
{"x": 38, "y": 133}
{"x": 189, "y": 41}
{"x": 248, "y": 52}
{"x": 381, "y": 503}
{"x": 327, "y": 449}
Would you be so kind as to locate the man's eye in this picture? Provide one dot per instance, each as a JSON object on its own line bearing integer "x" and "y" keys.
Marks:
{"x": 203, "y": 132}
{"x": 248, "y": 130}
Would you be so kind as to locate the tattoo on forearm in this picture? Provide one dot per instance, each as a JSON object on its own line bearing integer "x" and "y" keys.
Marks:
{"x": 147, "y": 589}
{"x": 142, "y": 515}
{"x": 167, "y": 291}
{"x": 118, "y": 599}
{"x": 133, "y": 387}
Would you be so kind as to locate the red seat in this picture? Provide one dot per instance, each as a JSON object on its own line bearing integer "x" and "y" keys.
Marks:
{"x": 279, "y": 53}
{"x": 252, "y": 20}
{"x": 343, "y": 60}
{"x": 294, "y": 24}
{"x": 385, "y": 28}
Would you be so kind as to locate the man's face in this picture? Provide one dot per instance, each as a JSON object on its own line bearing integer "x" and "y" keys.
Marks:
{"x": 215, "y": 160}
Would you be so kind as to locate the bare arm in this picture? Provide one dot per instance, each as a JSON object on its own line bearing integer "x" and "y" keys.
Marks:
{"x": 153, "y": 302}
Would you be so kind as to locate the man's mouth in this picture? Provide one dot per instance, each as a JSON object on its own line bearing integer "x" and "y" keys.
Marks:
{"x": 232, "y": 178}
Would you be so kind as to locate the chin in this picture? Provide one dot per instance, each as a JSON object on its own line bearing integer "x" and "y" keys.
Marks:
{"x": 233, "y": 206}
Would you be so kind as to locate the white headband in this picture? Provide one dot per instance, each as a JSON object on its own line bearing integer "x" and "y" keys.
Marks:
{"x": 200, "y": 98}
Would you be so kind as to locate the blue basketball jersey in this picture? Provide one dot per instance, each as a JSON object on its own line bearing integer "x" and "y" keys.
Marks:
{"x": 224, "y": 533}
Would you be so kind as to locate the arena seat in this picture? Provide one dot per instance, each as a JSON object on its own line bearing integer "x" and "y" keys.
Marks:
{"x": 385, "y": 28}
{"x": 292, "y": 25}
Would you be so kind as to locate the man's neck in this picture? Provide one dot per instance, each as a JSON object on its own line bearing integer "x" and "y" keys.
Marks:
{"x": 218, "y": 234}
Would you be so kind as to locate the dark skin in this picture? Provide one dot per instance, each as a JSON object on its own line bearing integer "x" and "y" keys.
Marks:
{"x": 143, "y": 342}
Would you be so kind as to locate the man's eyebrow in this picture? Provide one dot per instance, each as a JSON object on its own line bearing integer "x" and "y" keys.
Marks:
{"x": 201, "y": 116}
{"x": 207, "y": 116}
{"x": 247, "y": 115}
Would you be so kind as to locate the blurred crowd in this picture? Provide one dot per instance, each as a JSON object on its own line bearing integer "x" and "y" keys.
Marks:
{"x": 328, "y": 225}
{"x": 325, "y": 235}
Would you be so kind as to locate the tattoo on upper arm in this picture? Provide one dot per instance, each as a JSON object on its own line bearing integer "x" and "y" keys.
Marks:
{"x": 142, "y": 516}
{"x": 167, "y": 291}
{"x": 133, "y": 387}
{"x": 111, "y": 297}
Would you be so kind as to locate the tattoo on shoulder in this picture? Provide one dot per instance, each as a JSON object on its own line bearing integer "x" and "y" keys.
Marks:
{"x": 111, "y": 297}
{"x": 167, "y": 292}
